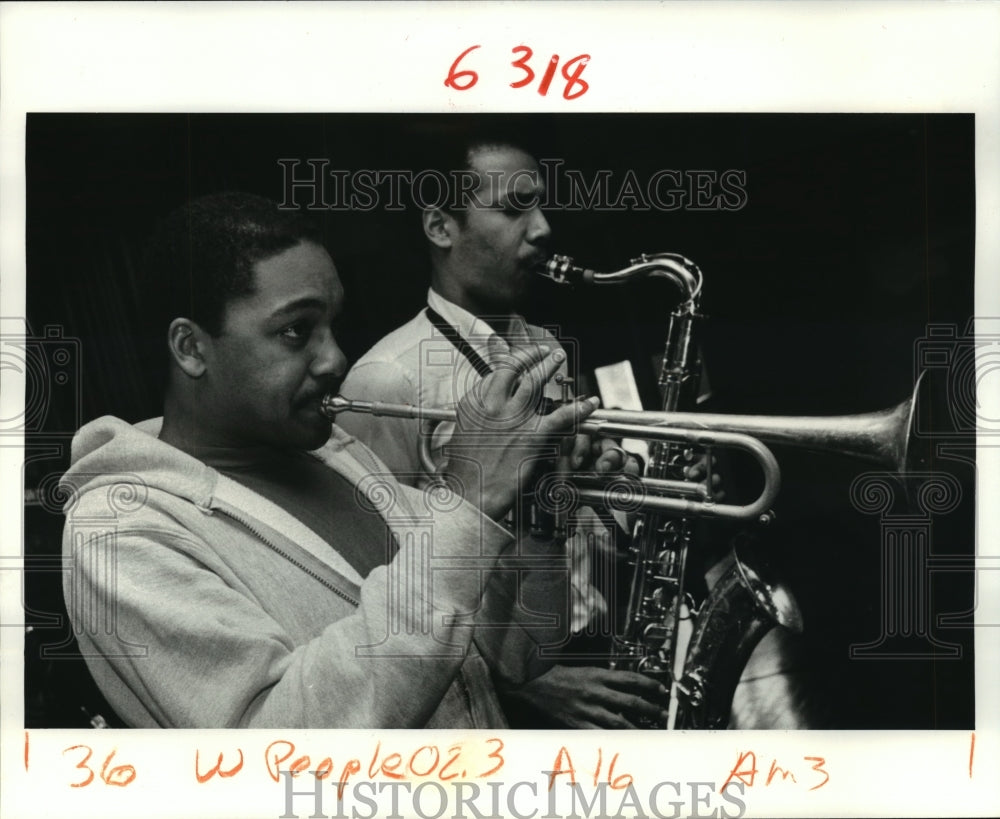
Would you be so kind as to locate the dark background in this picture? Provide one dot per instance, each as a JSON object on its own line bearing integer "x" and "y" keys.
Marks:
{"x": 856, "y": 235}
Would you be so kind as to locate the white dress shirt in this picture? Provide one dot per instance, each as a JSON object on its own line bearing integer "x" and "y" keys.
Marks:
{"x": 415, "y": 364}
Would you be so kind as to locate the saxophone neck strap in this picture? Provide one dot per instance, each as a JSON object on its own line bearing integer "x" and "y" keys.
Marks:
{"x": 460, "y": 344}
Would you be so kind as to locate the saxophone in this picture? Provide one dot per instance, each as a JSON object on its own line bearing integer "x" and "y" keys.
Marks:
{"x": 700, "y": 665}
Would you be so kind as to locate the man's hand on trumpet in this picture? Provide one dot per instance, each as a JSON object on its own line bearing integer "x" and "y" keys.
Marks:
{"x": 603, "y": 455}
{"x": 500, "y": 430}
{"x": 698, "y": 468}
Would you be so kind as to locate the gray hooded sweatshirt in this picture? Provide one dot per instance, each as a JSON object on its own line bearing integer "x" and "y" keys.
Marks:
{"x": 199, "y": 603}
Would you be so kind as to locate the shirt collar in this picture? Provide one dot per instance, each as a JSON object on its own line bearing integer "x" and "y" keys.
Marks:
{"x": 473, "y": 329}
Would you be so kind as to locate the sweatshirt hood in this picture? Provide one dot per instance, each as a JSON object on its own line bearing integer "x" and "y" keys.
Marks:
{"x": 109, "y": 452}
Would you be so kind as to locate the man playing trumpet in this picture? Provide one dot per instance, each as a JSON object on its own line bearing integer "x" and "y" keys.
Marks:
{"x": 233, "y": 563}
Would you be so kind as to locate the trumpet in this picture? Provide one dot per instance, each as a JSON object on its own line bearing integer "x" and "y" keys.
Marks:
{"x": 884, "y": 438}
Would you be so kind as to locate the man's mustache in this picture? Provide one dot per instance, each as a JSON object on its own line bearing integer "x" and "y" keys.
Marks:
{"x": 331, "y": 387}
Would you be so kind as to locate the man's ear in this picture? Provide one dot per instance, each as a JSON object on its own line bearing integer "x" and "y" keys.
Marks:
{"x": 187, "y": 343}
{"x": 439, "y": 227}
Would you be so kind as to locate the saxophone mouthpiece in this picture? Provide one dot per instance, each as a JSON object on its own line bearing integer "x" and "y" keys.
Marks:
{"x": 561, "y": 270}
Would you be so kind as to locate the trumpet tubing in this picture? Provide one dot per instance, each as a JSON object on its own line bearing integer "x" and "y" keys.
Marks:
{"x": 883, "y": 437}
{"x": 619, "y": 492}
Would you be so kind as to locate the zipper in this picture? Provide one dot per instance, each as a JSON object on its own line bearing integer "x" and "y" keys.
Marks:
{"x": 463, "y": 685}
{"x": 248, "y": 524}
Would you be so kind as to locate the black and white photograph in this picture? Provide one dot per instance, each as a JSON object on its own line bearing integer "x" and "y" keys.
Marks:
{"x": 793, "y": 275}
{"x": 490, "y": 433}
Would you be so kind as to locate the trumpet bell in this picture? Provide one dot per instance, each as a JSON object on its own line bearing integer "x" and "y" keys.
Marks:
{"x": 887, "y": 438}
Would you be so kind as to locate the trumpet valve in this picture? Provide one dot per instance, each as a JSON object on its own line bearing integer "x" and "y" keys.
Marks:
{"x": 566, "y": 385}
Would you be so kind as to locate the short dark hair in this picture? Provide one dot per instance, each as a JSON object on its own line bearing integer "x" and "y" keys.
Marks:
{"x": 201, "y": 255}
{"x": 451, "y": 147}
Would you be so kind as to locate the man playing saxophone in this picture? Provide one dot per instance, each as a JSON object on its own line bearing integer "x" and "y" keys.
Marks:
{"x": 484, "y": 248}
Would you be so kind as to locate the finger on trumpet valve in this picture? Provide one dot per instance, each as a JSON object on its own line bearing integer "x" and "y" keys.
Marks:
{"x": 622, "y": 454}
{"x": 566, "y": 384}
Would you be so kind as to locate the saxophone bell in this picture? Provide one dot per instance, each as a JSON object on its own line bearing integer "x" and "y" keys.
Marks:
{"x": 743, "y": 605}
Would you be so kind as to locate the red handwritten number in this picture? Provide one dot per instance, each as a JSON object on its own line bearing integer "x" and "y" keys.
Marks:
{"x": 26, "y": 752}
{"x": 82, "y": 765}
{"x": 432, "y": 766}
{"x": 818, "y": 767}
{"x": 618, "y": 782}
{"x": 571, "y": 71}
{"x": 120, "y": 775}
{"x": 529, "y": 75}
{"x": 453, "y": 81}
{"x": 494, "y": 755}
{"x": 463, "y": 80}
{"x": 597, "y": 770}
{"x": 573, "y": 79}
{"x": 543, "y": 86}
{"x": 454, "y": 750}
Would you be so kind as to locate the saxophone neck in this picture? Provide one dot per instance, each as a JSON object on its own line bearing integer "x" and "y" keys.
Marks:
{"x": 682, "y": 272}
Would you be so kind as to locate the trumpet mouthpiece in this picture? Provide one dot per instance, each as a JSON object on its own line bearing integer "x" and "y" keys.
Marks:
{"x": 333, "y": 404}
